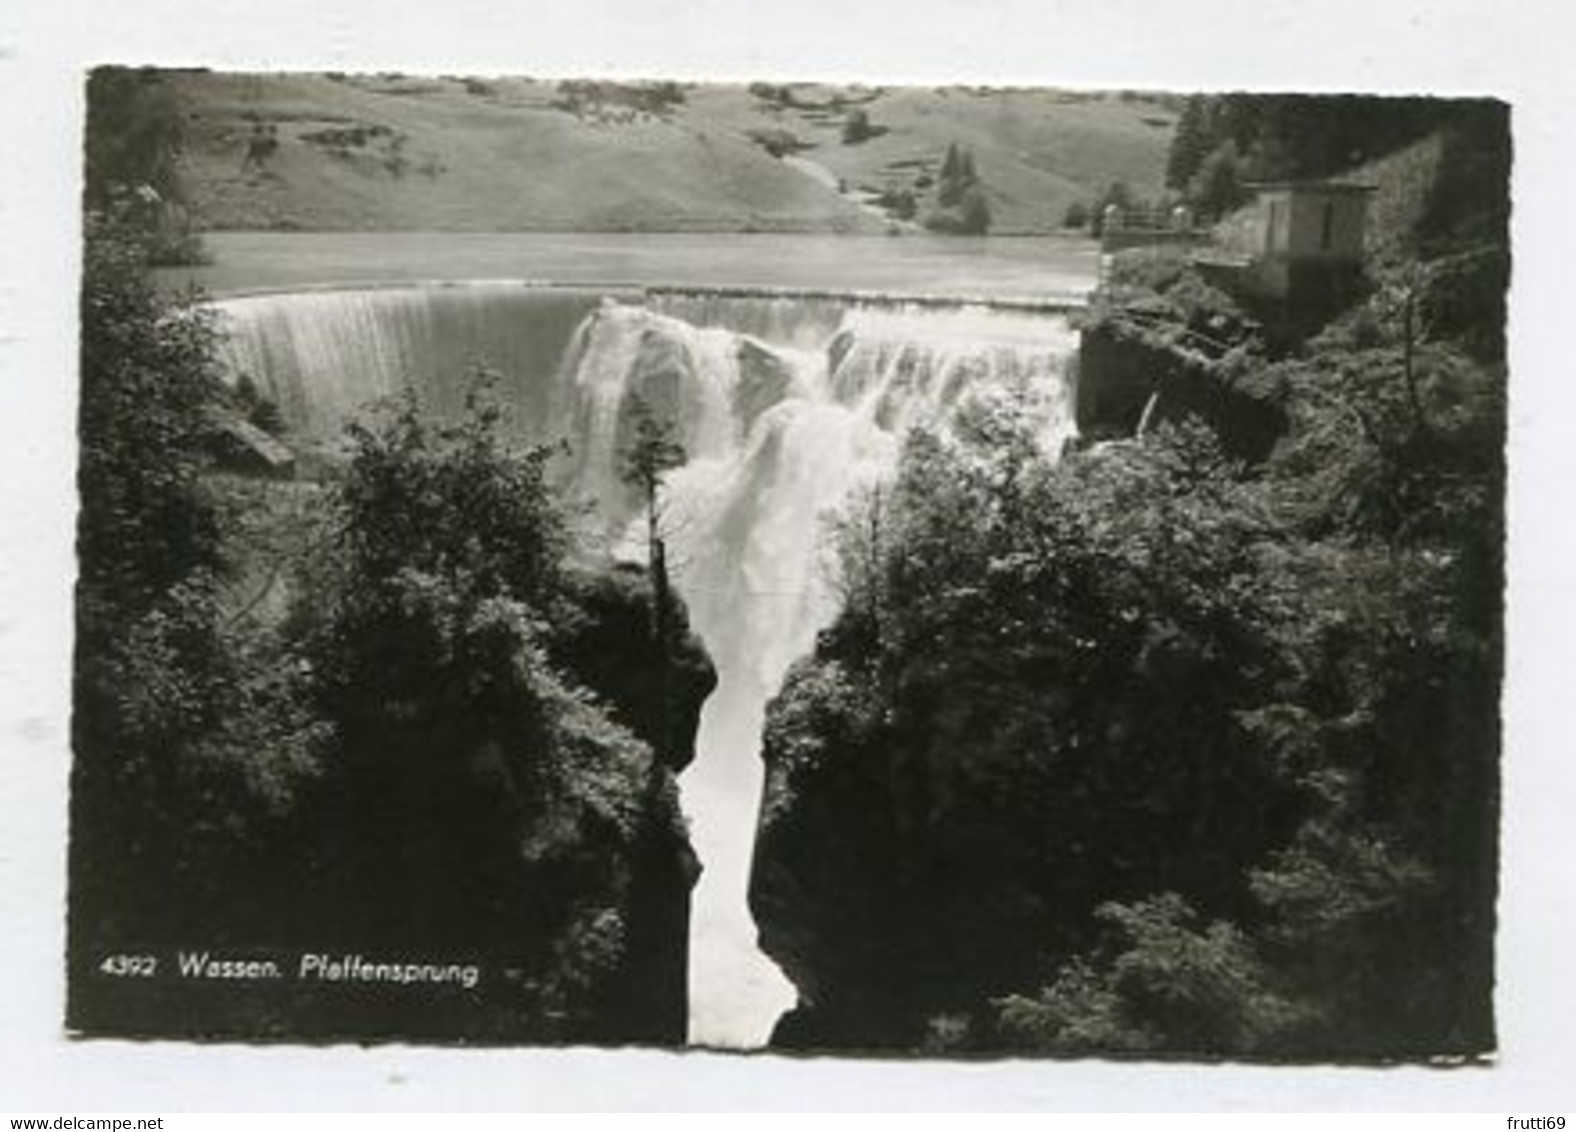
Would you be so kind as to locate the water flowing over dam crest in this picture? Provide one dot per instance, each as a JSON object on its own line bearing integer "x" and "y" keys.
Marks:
{"x": 786, "y": 407}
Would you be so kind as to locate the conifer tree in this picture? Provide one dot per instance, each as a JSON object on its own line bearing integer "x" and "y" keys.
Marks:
{"x": 1189, "y": 145}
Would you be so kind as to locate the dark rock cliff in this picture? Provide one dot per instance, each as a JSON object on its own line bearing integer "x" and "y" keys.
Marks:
{"x": 612, "y": 652}
{"x": 609, "y": 648}
{"x": 901, "y": 876}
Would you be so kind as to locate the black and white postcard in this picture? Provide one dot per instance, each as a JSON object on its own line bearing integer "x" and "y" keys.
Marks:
{"x": 954, "y": 570}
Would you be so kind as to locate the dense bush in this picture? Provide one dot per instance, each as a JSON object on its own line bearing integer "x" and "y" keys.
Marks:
{"x": 403, "y": 755}
{"x": 589, "y": 97}
{"x": 1150, "y": 751}
{"x": 1055, "y": 700}
{"x": 147, "y": 373}
{"x": 480, "y": 798}
{"x": 899, "y": 203}
{"x": 190, "y": 750}
{"x": 777, "y": 141}
{"x": 858, "y": 129}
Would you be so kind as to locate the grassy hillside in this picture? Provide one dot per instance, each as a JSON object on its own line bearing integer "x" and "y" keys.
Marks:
{"x": 396, "y": 152}
{"x": 1036, "y": 151}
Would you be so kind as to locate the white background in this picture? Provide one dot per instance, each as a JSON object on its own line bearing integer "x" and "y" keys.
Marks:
{"x": 1517, "y": 51}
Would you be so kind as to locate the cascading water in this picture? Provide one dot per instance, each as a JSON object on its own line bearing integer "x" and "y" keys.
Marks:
{"x": 322, "y": 356}
{"x": 785, "y": 407}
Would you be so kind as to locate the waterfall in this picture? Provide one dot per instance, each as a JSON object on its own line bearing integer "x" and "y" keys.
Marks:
{"x": 785, "y": 408}
{"x": 784, "y": 413}
{"x": 322, "y": 356}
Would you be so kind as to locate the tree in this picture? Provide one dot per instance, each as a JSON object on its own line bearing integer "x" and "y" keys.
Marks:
{"x": 1190, "y": 144}
{"x": 135, "y": 134}
{"x": 482, "y": 796}
{"x": 652, "y": 453}
{"x": 1216, "y": 189}
{"x": 190, "y": 741}
{"x": 957, "y": 174}
{"x": 261, "y": 146}
{"x": 149, "y": 370}
{"x": 974, "y": 212}
{"x": 1162, "y": 981}
{"x": 135, "y": 138}
{"x": 949, "y": 163}
{"x": 454, "y": 499}
{"x": 899, "y": 202}
{"x": 857, "y": 127}
{"x": 960, "y": 197}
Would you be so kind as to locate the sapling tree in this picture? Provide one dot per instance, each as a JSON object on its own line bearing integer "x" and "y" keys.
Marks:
{"x": 653, "y": 452}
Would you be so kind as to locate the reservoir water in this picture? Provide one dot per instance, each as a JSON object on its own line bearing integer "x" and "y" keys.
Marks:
{"x": 1013, "y": 268}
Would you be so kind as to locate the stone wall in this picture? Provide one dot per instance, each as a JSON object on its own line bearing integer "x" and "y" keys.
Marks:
{"x": 1120, "y": 371}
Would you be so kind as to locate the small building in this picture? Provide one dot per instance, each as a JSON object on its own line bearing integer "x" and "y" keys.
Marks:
{"x": 1305, "y": 238}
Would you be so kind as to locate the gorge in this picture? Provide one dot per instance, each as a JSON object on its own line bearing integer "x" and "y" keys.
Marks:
{"x": 786, "y": 407}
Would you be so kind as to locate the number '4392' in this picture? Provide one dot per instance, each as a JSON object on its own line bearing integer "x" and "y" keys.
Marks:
{"x": 130, "y": 966}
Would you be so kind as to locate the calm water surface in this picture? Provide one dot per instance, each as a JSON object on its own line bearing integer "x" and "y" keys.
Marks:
{"x": 1016, "y": 268}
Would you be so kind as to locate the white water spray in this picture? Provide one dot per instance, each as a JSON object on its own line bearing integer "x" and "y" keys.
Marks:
{"x": 749, "y": 516}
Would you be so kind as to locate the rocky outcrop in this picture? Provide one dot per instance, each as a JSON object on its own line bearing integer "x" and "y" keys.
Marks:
{"x": 659, "y": 698}
{"x": 828, "y": 880}
{"x": 893, "y": 891}
{"x": 609, "y": 648}
{"x": 764, "y": 380}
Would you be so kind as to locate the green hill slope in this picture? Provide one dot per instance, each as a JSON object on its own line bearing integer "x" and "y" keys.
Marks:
{"x": 1036, "y": 151}
{"x": 395, "y": 152}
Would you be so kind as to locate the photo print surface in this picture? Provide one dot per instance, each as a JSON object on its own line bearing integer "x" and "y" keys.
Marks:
{"x": 947, "y": 571}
